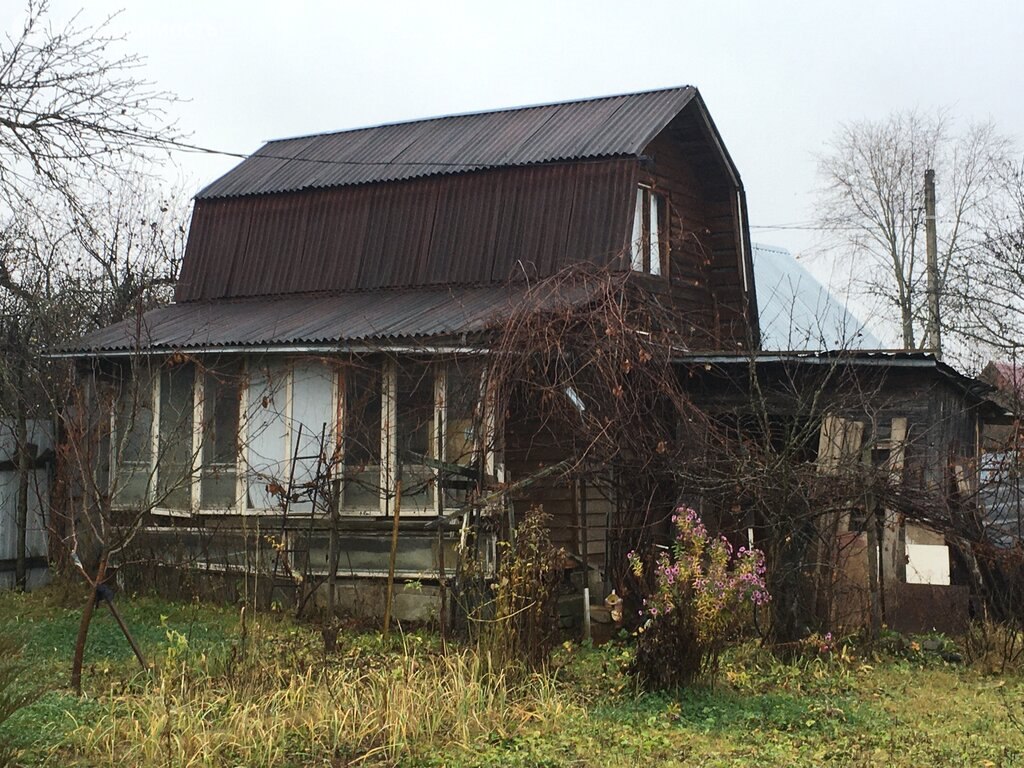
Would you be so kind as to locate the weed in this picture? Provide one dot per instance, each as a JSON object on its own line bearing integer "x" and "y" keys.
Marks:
{"x": 518, "y": 626}
{"x": 702, "y": 593}
{"x": 271, "y": 697}
{"x": 994, "y": 647}
{"x": 15, "y": 694}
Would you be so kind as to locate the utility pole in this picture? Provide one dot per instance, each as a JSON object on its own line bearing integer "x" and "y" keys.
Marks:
{"x": 933, "y": 335}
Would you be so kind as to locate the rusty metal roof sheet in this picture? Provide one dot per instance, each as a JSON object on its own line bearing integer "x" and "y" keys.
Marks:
{"x": 577, "y": 130}
{"x": 377, "y": 318}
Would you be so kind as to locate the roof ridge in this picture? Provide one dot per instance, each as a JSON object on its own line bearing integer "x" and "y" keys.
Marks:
{"x": 473, "y": 113}
{"x": 569, "y": 131}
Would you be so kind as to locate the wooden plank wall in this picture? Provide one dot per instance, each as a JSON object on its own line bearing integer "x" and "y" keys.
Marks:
{"x": 704, "y": 249}
{"x": 532, "y": 445}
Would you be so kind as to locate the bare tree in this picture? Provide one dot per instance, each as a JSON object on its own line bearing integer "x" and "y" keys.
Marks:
{"x": 990, "y": 302}
{"x": 872, "y": 201}
{"x": 71, "y": 106}
{"x": 75, "y": 117}
{"x": 64, "y": 275}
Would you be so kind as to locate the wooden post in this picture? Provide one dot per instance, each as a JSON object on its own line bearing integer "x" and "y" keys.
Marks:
{"x": 391, "y": 565}
{"x": 124, "y": 629}
{"x": 581, "y": 511}
{"x": 933, "y": 339}
{"x": 21, "y": 510}
{"x": 83, "y": 626}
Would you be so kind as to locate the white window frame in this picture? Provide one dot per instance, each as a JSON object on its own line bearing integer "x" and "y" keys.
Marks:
{"x": 648, "y": 245}
{"x": 389, "y": 458}
{"x": 115, "y": 461}
{"x": 341, "y": 430}
{"x": 194, "y": 479}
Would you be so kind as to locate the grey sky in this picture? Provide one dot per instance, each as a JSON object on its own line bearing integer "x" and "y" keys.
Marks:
{"x": 777, "y": 76}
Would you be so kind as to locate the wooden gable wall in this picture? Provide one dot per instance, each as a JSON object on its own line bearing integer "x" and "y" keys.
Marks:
{"x": 707, "y": 249}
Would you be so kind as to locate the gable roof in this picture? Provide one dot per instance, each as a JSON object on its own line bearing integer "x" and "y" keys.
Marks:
{"x": 797, "y": 312}
{"x": 610, "y": 126}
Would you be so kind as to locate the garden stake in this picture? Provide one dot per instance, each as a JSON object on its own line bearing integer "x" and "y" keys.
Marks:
{"x": 391, "y": 565}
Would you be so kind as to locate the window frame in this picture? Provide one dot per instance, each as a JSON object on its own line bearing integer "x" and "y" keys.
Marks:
{"x": 116, "y": 461}
{"x": 386, "y": 377}
{"x": 158, "y": 450}
{"x": 648, "y": 244}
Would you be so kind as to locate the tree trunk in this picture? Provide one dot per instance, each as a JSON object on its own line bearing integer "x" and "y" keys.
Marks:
{"x": 21, "y": 511}
{"x": 907, "y": 317}
{"x": 874, "y": 590}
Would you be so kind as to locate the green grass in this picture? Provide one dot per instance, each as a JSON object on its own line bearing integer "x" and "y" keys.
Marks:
{"x": 271, "y": 697}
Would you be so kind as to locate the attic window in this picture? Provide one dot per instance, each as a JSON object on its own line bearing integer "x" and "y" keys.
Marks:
{"x": 645, "y": 250}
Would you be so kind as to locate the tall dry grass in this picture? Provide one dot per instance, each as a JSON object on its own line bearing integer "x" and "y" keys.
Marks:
{"x": 410, "y": 704}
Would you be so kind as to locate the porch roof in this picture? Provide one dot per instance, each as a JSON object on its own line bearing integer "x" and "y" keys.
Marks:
{"x": 371, "y": 319}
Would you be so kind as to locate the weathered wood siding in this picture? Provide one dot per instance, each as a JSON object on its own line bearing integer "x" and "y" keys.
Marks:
{"x": 37, "y": 538}
{"x": 705, "y": 233}
{"x": 579, "y": 509}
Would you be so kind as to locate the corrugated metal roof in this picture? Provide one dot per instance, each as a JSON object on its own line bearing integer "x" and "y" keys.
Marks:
{"x": 593, "y": 128}
{"x": 470, "y": 229}
{"x": 867, "y": 358}
{"x": 799, "y": 313}
{"x": 377, "y": 317}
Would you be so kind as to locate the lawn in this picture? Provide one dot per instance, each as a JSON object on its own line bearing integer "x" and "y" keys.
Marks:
{"x": 229, "y": 690}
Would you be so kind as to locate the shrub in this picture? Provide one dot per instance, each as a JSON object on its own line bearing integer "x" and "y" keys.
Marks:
{"x": 703, "y": 592}
{"x": 994, "y": 647}
{"x": 524, "y": 621}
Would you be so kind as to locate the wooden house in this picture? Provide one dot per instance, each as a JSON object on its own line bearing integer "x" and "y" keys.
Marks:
{"x": 334, "y": 308}
{"x": 316, "y": 384}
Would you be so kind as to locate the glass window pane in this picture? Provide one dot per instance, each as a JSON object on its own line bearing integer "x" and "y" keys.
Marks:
{"x": 314, "y": 416}
{"x": 221, "y": 392}
{"x": 653, "y": 228}
{"x": 266, "y": 428}
{"x": 174, "y": 456}
{"x": 133, "y": 423}
{"x": 415, "y": 434}
{"x": 462, "y": 431}
{"x": 636, "y": 249}
{"x": 361, "y": 424}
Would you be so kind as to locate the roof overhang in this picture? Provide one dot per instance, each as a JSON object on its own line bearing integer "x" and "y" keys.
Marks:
{"x": 974, "y": 389}
{"x": 423, "y": 320}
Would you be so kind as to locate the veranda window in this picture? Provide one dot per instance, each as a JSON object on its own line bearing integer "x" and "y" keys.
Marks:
{"x": 415, "y": 433}
{"x": 462, "y": 429}
{"x": 219, "y": 475}
{"x": 131, "y": 444}
{"x": 175, "y": 453}
{"x": 361, "y": 421}
{"x": 313, "y": 423}
{"x": 266, "y": 438}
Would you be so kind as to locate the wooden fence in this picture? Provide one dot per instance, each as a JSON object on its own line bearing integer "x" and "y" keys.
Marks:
{"x": 37, "y": 537}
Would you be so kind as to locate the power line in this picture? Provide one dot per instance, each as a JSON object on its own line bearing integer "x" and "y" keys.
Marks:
{"x": 259, "y": 154}
{"x": 466, "y": 165}
{"x": 806, "y": 227}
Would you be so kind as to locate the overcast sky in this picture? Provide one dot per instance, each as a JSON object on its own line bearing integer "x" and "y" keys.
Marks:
{"x": 778, "y": 77}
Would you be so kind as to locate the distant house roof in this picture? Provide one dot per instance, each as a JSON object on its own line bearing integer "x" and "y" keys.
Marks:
{"x": 797, "y": 312}
{"x": 1006, "y": 377}
{"x": 603, "y": 127}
